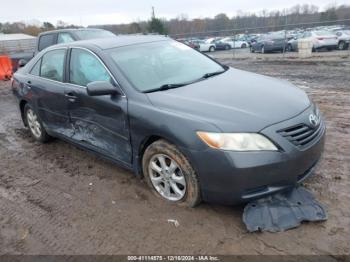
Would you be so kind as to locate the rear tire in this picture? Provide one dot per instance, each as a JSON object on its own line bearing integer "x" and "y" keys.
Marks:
{"x": 341, "y": 45}
{"x": 35, "y": 125}
{"x": 243, "y": 46}
{"x": 161, "y": 175}
{"x": 263, "y": 50}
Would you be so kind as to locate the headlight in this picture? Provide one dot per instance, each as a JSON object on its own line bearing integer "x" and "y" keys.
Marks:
{"x": 237, "y": 141}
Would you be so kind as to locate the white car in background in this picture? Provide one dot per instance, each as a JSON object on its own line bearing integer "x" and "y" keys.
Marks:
{"x": 206, "y": 46}
{"x": 235, "y": 43}
{"x": 343, "y": 39}
{"x": 321, "y": 39}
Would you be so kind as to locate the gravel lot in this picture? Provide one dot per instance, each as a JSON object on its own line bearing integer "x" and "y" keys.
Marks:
{"x": 57, "y": 199}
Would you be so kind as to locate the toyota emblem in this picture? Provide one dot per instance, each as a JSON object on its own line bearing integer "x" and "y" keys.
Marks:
{"x": 314, "y": 120}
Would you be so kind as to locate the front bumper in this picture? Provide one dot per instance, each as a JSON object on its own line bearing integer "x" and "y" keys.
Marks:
{"x": 228, "y": 177}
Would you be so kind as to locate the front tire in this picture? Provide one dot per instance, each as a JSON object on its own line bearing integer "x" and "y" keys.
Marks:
{"x": 263, "y": 50}
{"x": 170, "y": 175}
{"x": 212, "y": 49}
{"x": 35, "y": 125}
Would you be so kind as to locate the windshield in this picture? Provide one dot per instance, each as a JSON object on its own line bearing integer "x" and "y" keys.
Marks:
{"x": 150, "y": 66}
{"x": 93, "y": 34}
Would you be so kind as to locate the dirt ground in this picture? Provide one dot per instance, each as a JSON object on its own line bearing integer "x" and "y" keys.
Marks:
{"x": 57, "y": 199}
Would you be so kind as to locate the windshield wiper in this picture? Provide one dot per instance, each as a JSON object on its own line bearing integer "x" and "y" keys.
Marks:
{"x": 165, "y": 87}
{"x": 171, "y": 86}
{"x": 207, "y": 75}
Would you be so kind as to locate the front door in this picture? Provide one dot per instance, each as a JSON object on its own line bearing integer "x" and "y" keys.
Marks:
{"x": 99, "y": 122}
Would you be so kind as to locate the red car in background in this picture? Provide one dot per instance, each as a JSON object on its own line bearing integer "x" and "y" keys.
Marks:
{"x": 189, "y": 43}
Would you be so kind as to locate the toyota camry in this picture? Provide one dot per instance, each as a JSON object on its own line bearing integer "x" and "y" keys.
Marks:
{"x": 193, "y": 128}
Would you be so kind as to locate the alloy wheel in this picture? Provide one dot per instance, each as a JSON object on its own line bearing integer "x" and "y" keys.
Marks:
{"x": 33, "y": 123}
{"x": 167, "y": 177}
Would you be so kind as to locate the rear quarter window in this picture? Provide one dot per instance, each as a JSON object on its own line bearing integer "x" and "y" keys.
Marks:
{"x": 36, "y": 68}
{"x": 52, "y": 65}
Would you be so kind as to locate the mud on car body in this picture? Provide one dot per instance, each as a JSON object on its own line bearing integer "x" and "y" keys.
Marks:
{"x": 195, "y": 129}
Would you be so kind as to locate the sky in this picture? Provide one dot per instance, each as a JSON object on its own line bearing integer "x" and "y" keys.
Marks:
{"x": 87, "y": 12}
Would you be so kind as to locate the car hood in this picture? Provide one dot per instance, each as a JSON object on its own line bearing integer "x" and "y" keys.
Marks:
{"x": 235, "y": 101}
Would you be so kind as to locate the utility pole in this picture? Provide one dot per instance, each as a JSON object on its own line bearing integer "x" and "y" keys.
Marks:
{"x": 285, "y": 32}
{"x": 153, "y": 13}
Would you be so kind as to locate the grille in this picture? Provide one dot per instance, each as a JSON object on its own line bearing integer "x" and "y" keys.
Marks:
{"x": 301, "y": 135}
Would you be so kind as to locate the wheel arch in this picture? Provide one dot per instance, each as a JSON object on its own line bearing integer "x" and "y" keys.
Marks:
{"x": 141, "y": 150}
{"x": 22, "y": 104}
{"x": 146, "y": 142}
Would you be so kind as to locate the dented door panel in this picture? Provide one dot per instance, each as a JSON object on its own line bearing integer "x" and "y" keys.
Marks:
{"x": 102, "y": 123}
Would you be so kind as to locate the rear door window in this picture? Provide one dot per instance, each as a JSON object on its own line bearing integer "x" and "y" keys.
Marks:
{"x": 52, "y": 65}
{"x": 46, "y": 41}
{"x": 86, "y": 68}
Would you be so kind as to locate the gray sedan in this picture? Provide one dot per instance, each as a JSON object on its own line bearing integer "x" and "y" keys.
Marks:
{"x": 193, "y": 128}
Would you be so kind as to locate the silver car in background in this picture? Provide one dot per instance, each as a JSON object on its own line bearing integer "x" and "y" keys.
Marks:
{"x": 320, "y": 39}
{"x": 343, "y": 39}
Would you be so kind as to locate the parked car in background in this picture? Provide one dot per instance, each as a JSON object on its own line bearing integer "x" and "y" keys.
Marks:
{"x": 213, "y": 40}
{"x": 235, "y": 42}
{"x": 205, "y": 46}
{"x": 269, "y": 43}
{"x": 321, "y": 39}
{"x": 251, "y": 39}
{"x": 343, "y": 39}
{"x": 191, "y": 43}
{"x": 54, "y": 37}
{"x": 193, "y": 128}
{"x": 50, "y": 38}
{"x": 220, "y": 45}
{"x": 292, "y": 44}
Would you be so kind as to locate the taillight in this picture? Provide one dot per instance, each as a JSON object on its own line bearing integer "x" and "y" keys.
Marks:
{"x": 14, "y": 83}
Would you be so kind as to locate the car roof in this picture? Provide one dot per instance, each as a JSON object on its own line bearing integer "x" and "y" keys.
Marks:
{"x": 113, "y": 42}
{"x": 70, "y": 30}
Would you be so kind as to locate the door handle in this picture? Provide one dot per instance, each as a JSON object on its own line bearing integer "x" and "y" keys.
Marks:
{"x": 29, "y": 84}
{"x": 71, "y": 96}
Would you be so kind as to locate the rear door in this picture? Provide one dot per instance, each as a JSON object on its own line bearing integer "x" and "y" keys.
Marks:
{"x": 99, "y": 122}
{"x": 46, "y": 81}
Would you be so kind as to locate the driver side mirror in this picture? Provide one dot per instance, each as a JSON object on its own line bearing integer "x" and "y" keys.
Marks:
{"x": 22, "y": 62}
{"x": 101, "y": 88}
